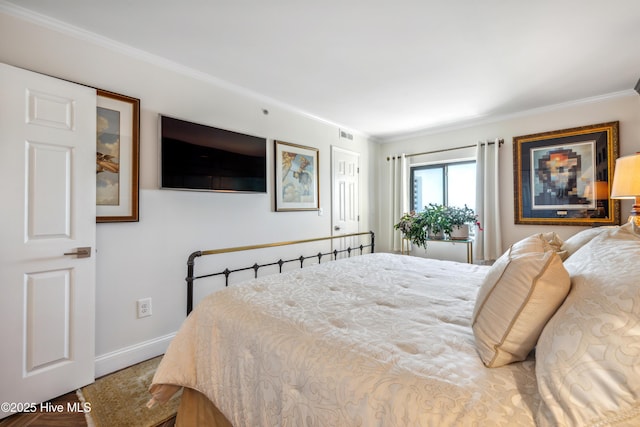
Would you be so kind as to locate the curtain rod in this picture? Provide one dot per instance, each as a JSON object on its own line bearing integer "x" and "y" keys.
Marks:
{"x": 500, "y": 142}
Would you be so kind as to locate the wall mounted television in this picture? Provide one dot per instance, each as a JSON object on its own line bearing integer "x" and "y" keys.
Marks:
{"x": 204, "y": 158}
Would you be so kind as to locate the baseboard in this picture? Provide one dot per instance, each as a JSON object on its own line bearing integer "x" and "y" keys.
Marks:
{"x": 127, "y": 356}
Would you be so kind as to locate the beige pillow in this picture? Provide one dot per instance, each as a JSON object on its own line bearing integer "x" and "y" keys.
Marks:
{"x": 556, "y": 244}
{"x": 520, "y": 293}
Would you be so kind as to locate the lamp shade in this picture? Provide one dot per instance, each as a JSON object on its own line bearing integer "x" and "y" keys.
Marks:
{"x": 626, "y": 179}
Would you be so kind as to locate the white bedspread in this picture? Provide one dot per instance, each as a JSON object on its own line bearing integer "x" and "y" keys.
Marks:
{"x": 374, "y": 340}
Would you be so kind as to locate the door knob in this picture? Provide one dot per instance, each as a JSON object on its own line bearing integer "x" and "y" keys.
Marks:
{"x": 84, "y": 252}
{"x": 337, "y": 227}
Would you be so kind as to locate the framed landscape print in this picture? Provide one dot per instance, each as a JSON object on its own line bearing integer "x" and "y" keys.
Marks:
{"x": 117, "y": 151}
{"x": 564, "y": 177}
{"x": 296, "y": 177}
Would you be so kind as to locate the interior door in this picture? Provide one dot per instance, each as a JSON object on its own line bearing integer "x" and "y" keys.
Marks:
{"x": 47, "y": 290}
{"x": 345, "y": 214}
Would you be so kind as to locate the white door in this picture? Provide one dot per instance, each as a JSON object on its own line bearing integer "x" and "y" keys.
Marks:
{"x": 345, "y": 215}
{"x": 47, "y": 199}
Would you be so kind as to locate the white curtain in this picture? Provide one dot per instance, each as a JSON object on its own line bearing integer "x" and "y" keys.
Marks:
{"x": 488, "y": 244}
{"x": 398, "y": 195}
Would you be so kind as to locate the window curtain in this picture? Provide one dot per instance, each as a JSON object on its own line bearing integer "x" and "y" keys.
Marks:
{"x": 488, "y": 244}
{"x": 399, "y": 197}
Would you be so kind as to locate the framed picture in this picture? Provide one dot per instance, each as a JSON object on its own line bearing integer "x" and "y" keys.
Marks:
{"x": 296, "y": 177}
{"x": 564, "y": 177}
{"x": 117, "y": 157}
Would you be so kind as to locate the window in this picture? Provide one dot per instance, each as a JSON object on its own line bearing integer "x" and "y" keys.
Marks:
{"x": 451, "y": 184}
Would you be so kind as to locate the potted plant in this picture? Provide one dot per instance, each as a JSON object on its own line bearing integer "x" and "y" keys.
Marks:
{"x": 460, "y": 219}
{"x": 412, "y": 226}
{"x": 437, "y": 221}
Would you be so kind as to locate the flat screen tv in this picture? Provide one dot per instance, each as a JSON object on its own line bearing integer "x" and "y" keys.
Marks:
{"x": 205, "y": 158}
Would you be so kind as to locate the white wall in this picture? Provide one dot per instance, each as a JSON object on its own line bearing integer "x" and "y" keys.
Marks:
{"x": 148, "y": 258}
{"x": 624, "y": 107}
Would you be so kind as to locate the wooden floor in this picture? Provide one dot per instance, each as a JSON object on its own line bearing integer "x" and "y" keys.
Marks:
{"x": 63, "y": 419}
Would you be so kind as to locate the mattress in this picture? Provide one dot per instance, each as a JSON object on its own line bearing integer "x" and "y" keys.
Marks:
{"x": 373, "y": 340}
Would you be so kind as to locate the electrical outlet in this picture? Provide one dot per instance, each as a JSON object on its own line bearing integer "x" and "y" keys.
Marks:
{"x": 144, "y": 307}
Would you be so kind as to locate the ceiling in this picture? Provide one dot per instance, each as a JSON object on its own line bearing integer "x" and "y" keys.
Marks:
{"x": 385, "y": 69}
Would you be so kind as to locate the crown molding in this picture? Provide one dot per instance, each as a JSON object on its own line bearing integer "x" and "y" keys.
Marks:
{"x": 487, "y": 119}
{"x": 138, "y": 54}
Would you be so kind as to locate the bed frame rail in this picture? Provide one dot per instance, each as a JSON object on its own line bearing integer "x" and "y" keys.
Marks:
{"x": 280, "y": 263}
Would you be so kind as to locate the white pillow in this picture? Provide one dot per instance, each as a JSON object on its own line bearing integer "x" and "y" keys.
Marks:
{"x": 578, "y": 240}
{"x": 522, "y": 290}
{"x": 588, "y": 355}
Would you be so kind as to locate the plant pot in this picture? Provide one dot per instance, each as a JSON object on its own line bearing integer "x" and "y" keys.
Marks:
{"x": 436, "y": 236}
{"x": 460, "y": 232}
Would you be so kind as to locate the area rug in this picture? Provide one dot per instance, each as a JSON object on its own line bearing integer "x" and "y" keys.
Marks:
{"x": 120, "y": 399}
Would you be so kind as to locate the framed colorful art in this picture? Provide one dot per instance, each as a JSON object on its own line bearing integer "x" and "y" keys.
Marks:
{"x": 296, "y": 177}
{"x": 564, "y": 177}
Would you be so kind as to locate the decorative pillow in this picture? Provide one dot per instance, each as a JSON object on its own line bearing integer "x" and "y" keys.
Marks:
{"x": 556, "y": 243}
{"x": 588, "y": 355}
{"x": 521, "y": 291}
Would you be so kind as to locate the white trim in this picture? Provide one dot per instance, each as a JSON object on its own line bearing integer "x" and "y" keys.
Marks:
{"x": 82, "y": 34}
{"x": 127, "y": 356}
{"x": 483, "y": 120}
{"x": 79, "y": 33}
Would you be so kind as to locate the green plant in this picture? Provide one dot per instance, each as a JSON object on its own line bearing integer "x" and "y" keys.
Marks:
{"x": 437, "y": 219}
{"x": 460, "y": 216}
{"x": 433, "y": 220}
{"x": 413, "y": 228}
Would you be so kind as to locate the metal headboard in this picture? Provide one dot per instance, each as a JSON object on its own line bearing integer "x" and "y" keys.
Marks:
{"x": 255, "y": 267}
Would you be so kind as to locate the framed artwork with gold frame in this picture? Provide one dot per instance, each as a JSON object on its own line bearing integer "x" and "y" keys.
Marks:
{"x": 564, "y": 177}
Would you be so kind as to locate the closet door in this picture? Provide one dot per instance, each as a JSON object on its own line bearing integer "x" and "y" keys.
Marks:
{"x": 345, "y": 189}
{"x": 47, "y": 199}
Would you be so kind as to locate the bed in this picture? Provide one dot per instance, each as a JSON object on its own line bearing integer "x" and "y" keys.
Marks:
{"x": 549, "y": 335}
